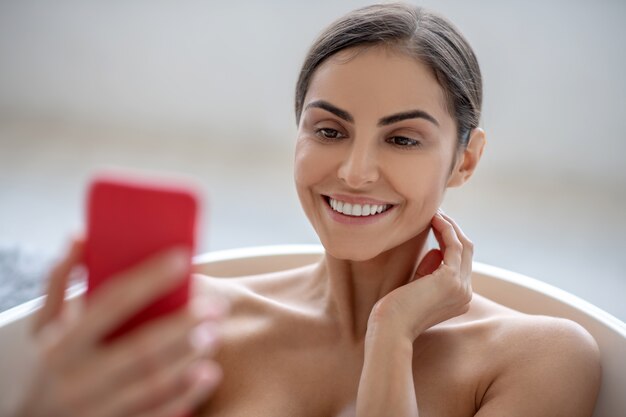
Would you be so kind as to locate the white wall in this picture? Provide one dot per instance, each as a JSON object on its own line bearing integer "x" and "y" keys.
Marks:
{"x": 555, "y": 92}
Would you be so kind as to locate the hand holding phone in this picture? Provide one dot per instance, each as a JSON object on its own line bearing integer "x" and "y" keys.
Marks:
{"x": 130, "y": 218}
{"x": 133, "y": 277}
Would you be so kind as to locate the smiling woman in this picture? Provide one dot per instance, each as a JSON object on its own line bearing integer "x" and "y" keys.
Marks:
{"x": 388, "y": 106}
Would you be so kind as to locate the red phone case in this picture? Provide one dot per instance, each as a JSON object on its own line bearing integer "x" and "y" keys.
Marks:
{"x": 130, "y": 219}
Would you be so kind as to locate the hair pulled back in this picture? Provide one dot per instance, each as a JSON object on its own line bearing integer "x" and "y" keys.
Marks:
{"x": 419, "y": 33}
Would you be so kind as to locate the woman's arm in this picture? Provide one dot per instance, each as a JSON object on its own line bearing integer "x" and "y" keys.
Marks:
{"x": 440, "y": 290}
{"x": 386, "y": 386}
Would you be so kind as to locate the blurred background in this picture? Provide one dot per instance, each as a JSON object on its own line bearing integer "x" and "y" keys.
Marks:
{"x": 205, "y": 88}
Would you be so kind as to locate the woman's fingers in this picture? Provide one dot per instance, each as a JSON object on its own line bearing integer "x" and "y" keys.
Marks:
{"x": 440, "y": 291}
{"x": 166, "y": 389}
{"x": 139, "y": 358}
{"x": 192, "y": 331}
{"x": 438, "y": 236}
{"x": 468, "y": 246}
{"x": 125, "y": 294}
{"x": 450, "y": 244}
{"x": 204, "y": 378}
{"x": 57, "y": 283}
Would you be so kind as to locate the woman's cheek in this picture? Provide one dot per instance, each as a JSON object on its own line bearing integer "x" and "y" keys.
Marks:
{"x": 425, "y": 191}
{"x": 309, "y": 163}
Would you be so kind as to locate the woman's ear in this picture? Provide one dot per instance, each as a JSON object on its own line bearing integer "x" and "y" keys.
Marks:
{"x": 466, "y": 164}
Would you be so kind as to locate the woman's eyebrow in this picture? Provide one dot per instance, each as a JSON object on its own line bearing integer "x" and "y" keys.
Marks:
{"x": 411, "y": 114}
{"x": 387, "y": 120}
{"x": 322, "y": 104}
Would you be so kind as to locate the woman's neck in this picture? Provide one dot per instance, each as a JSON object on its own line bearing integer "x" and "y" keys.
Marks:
{"x": 353, "y": 287}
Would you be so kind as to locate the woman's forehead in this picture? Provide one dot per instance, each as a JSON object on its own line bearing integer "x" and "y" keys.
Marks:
{"x": 377, "y": 80}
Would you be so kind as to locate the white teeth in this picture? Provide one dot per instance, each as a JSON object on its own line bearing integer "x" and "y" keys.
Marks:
{"x": 357, "y": 209}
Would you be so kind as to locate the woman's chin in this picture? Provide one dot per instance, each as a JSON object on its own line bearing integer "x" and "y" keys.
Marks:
{"x": 355, "y": 251}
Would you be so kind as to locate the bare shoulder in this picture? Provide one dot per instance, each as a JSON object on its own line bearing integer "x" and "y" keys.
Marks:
{"x": 553, "y": 361}
{"x": 527, "y": 336}
{"x": 281, "y": 286}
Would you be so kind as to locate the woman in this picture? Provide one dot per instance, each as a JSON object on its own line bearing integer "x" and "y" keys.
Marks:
{"x": 388, "y": 105}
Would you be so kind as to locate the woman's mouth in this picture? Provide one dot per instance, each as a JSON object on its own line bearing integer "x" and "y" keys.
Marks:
{"x": 355, "y": 209}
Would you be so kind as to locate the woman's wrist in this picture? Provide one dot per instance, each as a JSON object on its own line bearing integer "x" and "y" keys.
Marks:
{"x": 386, "y": 336}
{"x": 386, "y": 386}
{"x": 386, "y": 322}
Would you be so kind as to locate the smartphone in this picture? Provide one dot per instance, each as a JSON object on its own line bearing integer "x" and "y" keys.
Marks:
{"x": 129, "y": 218}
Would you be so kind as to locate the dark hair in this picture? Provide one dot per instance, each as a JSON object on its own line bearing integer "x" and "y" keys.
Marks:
{"x": 419, "y": 33}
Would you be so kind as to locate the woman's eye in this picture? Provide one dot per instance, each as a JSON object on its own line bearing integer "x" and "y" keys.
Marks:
{"x": 328, "y": 133}
{"x": 403, "y": 142}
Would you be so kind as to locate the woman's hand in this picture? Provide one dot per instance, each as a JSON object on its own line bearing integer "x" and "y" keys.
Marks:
{"x": 161, "y": 369}
{"x": 440, "y": 290}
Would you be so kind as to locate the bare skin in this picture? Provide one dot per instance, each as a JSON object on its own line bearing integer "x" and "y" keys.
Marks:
{"x": 283, "y": 355}
{"x": 382, "y": 326}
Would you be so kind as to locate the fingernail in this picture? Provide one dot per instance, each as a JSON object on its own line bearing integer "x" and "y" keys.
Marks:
{"x": 202, "y": 337}
{"x": 178, "y": 261}
{"x": 207, "y": 375}
{"x": 204, "y": 374}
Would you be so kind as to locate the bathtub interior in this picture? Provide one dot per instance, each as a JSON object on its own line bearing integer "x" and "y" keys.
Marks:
{"x": 517, "y": 291}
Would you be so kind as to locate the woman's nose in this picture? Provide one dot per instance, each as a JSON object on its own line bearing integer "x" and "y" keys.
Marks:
{"x": 359, "y": 167}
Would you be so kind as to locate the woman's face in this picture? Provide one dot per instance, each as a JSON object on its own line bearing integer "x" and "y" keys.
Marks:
{"x": 374, "y": 151}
